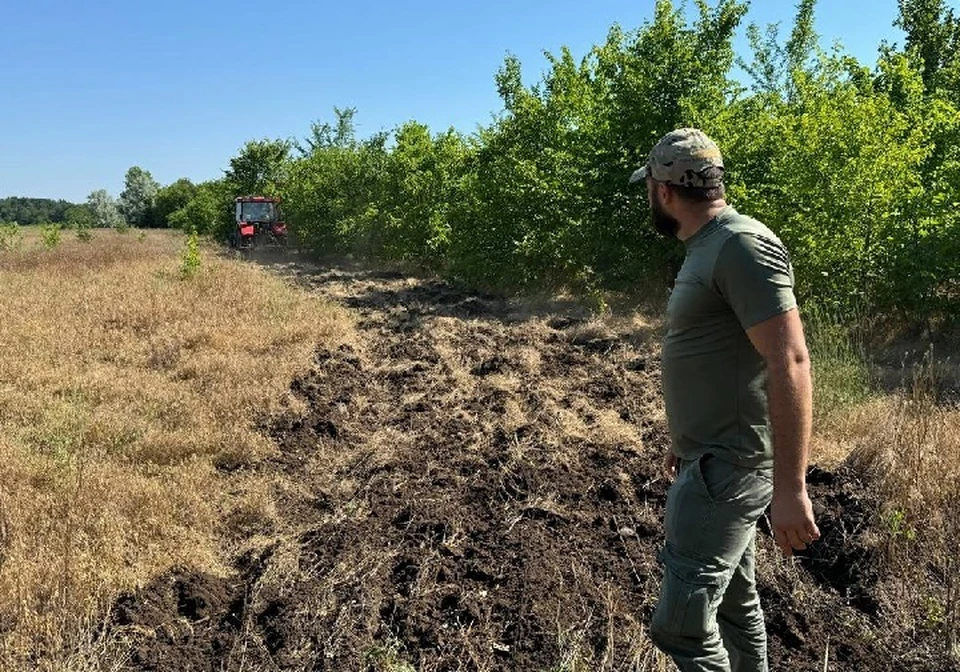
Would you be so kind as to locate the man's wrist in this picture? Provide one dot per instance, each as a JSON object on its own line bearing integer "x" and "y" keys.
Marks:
{"x": 789, "y": 485}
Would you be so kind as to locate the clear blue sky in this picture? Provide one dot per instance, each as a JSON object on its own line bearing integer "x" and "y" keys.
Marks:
{"x": 92, "y": 88}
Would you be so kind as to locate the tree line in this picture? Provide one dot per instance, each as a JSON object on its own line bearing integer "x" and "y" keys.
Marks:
{"x": 29, "y": 211}
{"x": 138, "y": 205}
{"x": 855, "y": 166}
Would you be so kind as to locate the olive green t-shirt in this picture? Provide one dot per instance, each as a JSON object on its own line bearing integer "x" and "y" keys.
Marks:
{"x": 736, "y": 274}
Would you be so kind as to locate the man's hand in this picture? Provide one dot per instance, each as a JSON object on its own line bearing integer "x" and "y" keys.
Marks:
{"x": 791, "y": 516}
{"x": 670, "y": 466}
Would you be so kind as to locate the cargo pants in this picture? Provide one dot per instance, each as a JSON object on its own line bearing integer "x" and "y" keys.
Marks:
{"x": 708, "y": 618}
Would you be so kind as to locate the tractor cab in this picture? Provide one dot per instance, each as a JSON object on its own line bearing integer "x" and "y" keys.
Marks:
{"x": 259, "y": 221}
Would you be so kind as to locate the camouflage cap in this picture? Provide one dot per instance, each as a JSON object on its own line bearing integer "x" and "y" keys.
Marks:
{"x": 683, "y": 158}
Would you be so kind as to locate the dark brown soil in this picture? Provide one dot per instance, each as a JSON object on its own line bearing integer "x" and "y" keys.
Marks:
{"x": 475, "y": 486}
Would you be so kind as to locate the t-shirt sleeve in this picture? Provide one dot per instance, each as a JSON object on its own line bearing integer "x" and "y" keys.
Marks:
{"x": 754, "y": 276}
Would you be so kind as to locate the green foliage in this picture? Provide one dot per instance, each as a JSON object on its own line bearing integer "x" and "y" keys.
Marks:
{"x": 527, "y": 196}
{"x": 857, "y": 168}
{"x": 104, "y": 208}
{"x": 190, "y": 256}
{"x": 11, "y": 237}
{"x": 333, "y": 199}
{"x": 260, "y": 168}
{"x": 172, "y": 198}
{"x": 897, "y": 526}
{"x": 832, "y": 174}
{"x": 935, "y": 613}
{"x": 32, "y": 211}
{"x": 138, "y": 198}
{"x": 840, "y": 365}
{"x": 78, "y": 214}
{"x": 388, "y": 658}
{"x": 50, "y": 235}
{"x": 83, "y": 233}
{"x": 209, "y": 211}
{"x": 420, "y": 182}
{"x": 80, "y": 219}
{"x": 933, "y": 36}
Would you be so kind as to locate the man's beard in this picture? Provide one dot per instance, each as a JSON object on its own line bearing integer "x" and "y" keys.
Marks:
{"x": 663, "y": 222}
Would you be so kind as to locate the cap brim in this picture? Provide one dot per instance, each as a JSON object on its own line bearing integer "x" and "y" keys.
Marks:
{"x": 639, "y": 174}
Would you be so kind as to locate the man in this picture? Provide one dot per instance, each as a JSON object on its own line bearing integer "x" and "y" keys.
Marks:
{"x": 737, "y": 388}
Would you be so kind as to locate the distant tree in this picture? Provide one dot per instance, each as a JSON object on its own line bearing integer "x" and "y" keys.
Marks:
{"x": 139, "y": 196}
{"x": 208, "y": 212}
{"x": 27, "y": 211}
{"x": 171, "y": 198}
{"x": 260, "y": 167}
{"x": 78, "y": 217}
{"x": 106, "y": 214}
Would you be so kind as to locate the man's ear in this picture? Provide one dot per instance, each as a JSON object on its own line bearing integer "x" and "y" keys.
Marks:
{"x": 664, "y": 193}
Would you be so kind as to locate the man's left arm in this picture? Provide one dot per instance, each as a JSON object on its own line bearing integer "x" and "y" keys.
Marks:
{"x": 781, "y": 343}
{"x": 754, "y": 275}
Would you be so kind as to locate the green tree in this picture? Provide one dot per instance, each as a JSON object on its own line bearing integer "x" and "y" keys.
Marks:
{"x": 106, "y": 214}
{"x": 526, "y": 194}
{"x": 138, "y": 197}
{"x": 50, "y": 235}
{"x": 548, "y": 201}
{"x": 334, "y": 193}
{"x": 421, "y": 182}
{"x": 172, "y": 198}
{"x": 208, "y": 212}
{"x": 260, "y": 168}
{"x": 835, "y": 163}
{"x": 933, "y": 34}
{"x": 80, "y": 219}
{"x": 324, "y": 135}
{"x": 78, "y": 215}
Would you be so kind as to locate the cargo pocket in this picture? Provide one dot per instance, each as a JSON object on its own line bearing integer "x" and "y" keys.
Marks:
{"x": 690, "y": 595}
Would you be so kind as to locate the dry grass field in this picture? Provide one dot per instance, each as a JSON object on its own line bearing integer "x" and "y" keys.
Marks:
{"x": 126, "y": 394}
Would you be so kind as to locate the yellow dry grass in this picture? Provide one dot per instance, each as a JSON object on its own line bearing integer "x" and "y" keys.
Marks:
{"x": 906, "y": 448}
{"x": 126, "y": 395}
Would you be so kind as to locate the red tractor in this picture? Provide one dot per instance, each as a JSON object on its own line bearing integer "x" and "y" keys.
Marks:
{"x": 258, "y": 222}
